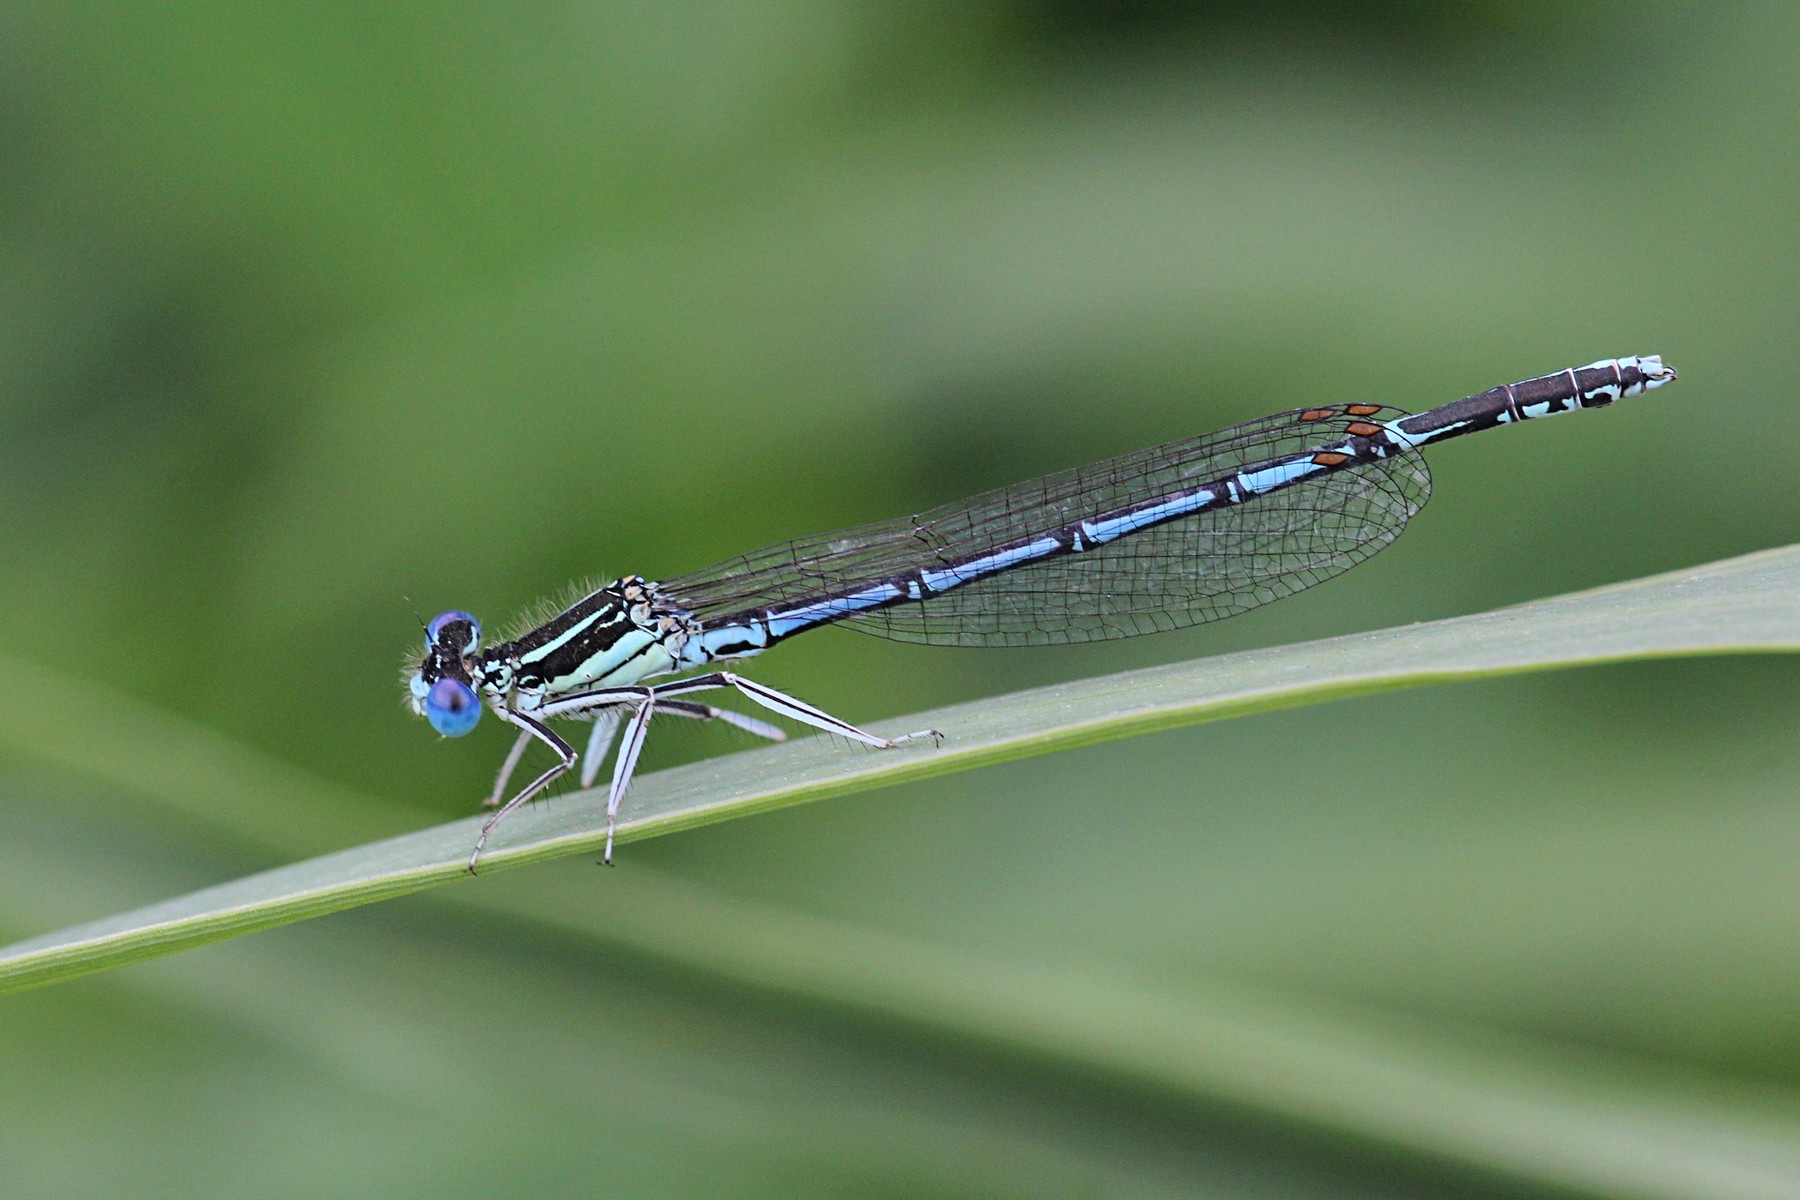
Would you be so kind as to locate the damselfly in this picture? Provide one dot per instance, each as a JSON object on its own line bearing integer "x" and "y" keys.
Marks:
{"x": 1193, "y": 531}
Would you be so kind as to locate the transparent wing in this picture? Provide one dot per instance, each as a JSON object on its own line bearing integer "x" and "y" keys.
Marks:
{"x": 1205, "y": 567}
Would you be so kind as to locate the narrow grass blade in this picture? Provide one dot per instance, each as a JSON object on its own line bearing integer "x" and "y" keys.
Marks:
{"x": 1749, "y": 604}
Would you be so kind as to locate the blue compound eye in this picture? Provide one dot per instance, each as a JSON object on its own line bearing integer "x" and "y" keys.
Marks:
{"x": 451, "y": 707}
{"x": 435, "y": 630}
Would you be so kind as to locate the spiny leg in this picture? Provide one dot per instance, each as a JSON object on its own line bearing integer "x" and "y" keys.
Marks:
{"x": 624, "y": 765}
{"x": 788, "y": 706}
{"x": 565, "y": 759}
{"x": 507, "y": 768}
{"x": 644, "y": 700}
{"x": 707, "y": 712}
{"x": 641, "y": 699}
{"x": 606, "y": 728}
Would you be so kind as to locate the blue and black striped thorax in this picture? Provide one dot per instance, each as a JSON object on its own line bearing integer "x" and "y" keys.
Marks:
{"x": 616, "y": 635}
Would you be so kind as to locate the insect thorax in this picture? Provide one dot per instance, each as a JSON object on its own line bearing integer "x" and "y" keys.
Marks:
{"x": 613, "y": 637}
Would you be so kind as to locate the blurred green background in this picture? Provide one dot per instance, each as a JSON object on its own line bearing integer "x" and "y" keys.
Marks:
{"x": 312, "y": 315}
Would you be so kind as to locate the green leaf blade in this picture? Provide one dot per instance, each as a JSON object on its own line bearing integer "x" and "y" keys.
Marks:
{"x": 1744, "y": 605}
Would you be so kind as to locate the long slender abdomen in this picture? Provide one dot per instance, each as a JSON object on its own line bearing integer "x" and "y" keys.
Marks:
{"x": 1593, "y": 386}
